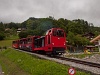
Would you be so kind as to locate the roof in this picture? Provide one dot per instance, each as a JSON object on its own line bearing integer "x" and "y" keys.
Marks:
{"x": 90, "y": 46}
{"x": 88, "y": 34}
{"x": 96, "y": 38}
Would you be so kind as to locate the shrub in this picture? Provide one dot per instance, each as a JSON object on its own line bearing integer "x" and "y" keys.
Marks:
{"x": 23, "y": 34}
{"x": 2, "y": 36}
{"x": 4, "y": 47}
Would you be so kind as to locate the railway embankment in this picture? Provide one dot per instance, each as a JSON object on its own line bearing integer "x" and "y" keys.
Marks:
{"x": 15, "y": 62}
{"x": 87, "y": 68}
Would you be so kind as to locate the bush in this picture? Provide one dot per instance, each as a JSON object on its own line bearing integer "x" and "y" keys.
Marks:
{"x": 4, "y": 47}
{"x": 2, "y": 36}
{"x": 23, "y": 34}
{"x": 0, "y": 47}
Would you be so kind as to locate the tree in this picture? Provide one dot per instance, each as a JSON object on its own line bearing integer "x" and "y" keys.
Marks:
{"x": 81, "y": 26}
{"x": 2, "y": 36}
{"x": 79, "y": 40}
{"x": 1, "y": 27}
{"x": 75, "y": 27}
{"x": 61, "y": 23}
{"x": 23, "y": 34}
{"x": 70, "y": 38}
{"x": 12, "y": 25}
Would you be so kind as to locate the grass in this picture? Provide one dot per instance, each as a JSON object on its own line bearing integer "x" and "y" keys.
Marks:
{"x": 19, "y": 63}
{"x": 12, "y": 37}
{"x": 6, "y": 43}
{"x": 10, "y": 68}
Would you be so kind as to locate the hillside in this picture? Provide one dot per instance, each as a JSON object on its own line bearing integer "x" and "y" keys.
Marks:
{"x": 38, "y": 26}
{"x": 74, "y": 29}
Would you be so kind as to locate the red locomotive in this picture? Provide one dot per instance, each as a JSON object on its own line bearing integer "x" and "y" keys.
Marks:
{"x": 54, "y": 42}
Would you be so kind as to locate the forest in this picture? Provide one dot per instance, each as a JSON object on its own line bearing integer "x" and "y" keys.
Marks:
{"x": 38, "y": 26}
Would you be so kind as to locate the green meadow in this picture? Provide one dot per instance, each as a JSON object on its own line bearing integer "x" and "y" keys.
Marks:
{"x": 18, "y": 63}
{"x": 6, "y": 43}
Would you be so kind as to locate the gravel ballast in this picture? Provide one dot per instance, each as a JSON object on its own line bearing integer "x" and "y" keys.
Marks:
{"x": 94, "y": 58}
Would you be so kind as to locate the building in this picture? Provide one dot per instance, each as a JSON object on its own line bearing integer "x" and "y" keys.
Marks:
{"x": 96, "y": 39}
{"x": 21, "y": 29}
{"x": 89, "y": 35}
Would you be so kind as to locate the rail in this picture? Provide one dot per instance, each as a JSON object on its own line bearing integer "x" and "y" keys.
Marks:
{"x": 97, "y": 65}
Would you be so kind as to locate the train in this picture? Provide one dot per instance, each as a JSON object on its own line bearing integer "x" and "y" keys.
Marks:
{"x": 53, "y": 42}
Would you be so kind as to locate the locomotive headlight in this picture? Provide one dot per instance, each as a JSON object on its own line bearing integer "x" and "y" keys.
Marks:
{"x": 52, "y": 43}
{"x": 58, "y": 38}
{"x": 64, "y": 43}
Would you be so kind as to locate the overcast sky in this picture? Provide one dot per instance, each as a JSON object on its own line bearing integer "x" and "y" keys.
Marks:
{"x": 21, "y": 10}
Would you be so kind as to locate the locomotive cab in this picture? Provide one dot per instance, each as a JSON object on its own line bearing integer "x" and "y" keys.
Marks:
{"x": 56, "y": 40}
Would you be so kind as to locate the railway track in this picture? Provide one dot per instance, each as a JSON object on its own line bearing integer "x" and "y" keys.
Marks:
{"x": 91, "y": 64}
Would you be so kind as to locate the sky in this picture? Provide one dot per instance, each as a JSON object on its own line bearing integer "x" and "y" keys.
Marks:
{"x": 20, "y": 10}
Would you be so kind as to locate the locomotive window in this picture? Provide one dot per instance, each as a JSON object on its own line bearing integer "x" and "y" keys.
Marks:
{"x": 55, "y": 33}
{"x": 49, "y": 31}
{"x": 58, "y": 33}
